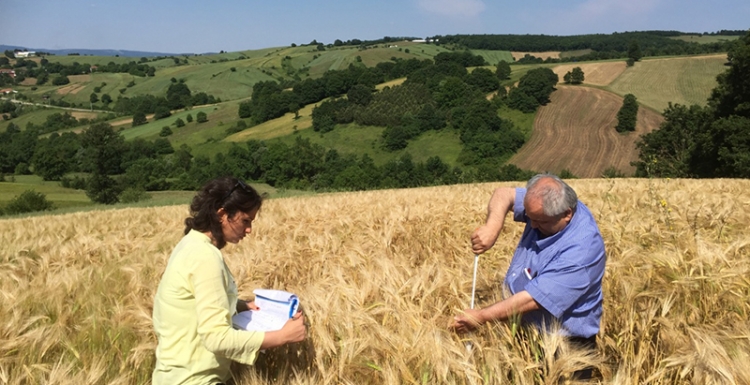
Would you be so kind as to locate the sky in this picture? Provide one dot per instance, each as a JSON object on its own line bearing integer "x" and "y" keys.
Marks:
{"x": 190, "y": 26}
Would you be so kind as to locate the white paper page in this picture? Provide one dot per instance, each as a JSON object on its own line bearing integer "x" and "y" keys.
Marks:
{"x": 258, "y": 320}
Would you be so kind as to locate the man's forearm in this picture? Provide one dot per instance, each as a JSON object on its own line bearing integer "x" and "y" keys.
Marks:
{"x": 520, "y": 303}
{"x": 500, "y": 204}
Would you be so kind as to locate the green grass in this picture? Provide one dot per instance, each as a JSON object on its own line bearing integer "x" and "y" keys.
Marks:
{"x": 522, "y": 121}
{"x": 32, "y": 114}
{"x": 62, "y": 198}
{"x": 575, "y": 53}
{"x": 683, "y": 80}
{"x": 358, "y": 140}
{"x": 67, "y": 200}
{"x": 494, "y": 57}
{"x": 707, "y": 39}
{"x": 152, "y": 129}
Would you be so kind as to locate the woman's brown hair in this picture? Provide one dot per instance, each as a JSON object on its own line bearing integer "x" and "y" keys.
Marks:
{"x": 229, "y": 193}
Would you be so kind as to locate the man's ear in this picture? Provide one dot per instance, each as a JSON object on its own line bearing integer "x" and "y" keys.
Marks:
{"x": 568, "y": 215}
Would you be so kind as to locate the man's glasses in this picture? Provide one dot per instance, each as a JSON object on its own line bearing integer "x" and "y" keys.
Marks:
{"x": 240, "y": 183}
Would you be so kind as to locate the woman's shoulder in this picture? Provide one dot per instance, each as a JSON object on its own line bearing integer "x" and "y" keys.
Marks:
{"x": 196, "y": 246}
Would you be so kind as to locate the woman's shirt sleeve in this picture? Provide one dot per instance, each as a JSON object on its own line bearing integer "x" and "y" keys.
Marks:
{"x": 215, "y": 299}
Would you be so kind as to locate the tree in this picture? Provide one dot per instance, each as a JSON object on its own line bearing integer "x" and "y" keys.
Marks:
{"x": 101, "y": 188}
{"x": 93, "y": 98}
{"x": 165, "y": 131}
{"x": 55, "y": 155}
{"x": 178, "y": 95}
{"x": 628, "y": 114}
{"x": 732, "y": 94}
{"x": 60, "y": 80}
{"x": 139, "y": 119}
{"x": 106, "y": 99}
{"x": 201, "y": 117}
{"x": 576, "y": 76}
{"x": 634, "y": 51}
{"x": 539, "y": 84}
{"x": 672, "y": 150}
{"x": 483, "y": 79}
{"x": 103, "y": 149}
{"x": 359, "y": 94}
{"x": 179, "y": 122}
{"x": 161, "y": 112}
{"x": 189, "y": 118}
{"x": 245, "y": 109}
{"x": 502, "y": 70}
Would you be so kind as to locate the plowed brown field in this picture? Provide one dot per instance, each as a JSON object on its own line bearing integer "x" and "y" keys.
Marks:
{"x": 600, "y": 74}
{"x": 576, "y": 131}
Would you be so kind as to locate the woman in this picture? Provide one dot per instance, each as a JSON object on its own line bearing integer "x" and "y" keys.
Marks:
{"x": 197, "y": 295}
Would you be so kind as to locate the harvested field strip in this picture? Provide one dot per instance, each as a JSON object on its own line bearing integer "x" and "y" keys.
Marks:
{"x": 576, "y": 131}
{"x": 599, "y": 74}
{"x": 683, "y": 80}
{"x": 542, "y": 55}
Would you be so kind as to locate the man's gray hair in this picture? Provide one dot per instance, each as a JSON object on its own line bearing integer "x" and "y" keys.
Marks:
{"x": 556, "y": 198}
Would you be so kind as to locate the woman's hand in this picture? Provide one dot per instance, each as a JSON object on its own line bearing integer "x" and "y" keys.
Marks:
{"x": 243, "y": 305}
{"x": 293, "y": 330}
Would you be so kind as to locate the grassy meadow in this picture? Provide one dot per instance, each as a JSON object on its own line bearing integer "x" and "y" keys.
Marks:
{"x": 683, "y": 80}
{"x": 380, "y": 275}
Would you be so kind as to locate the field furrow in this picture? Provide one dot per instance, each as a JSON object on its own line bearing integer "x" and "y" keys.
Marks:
{"x": 576, "y": 132}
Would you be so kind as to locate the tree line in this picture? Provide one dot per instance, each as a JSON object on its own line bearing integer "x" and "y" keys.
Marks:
{"x": 109, "y": 168}
{"x": 615, "y": 45}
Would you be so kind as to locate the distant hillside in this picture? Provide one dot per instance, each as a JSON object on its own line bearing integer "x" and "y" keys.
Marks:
{"x": 90, "y": 52}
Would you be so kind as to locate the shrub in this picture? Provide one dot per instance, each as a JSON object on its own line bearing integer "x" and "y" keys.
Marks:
{"x": 29, "y": 201}
{"x": 75, "y": 182}
{"x": 60, "y": 80}
{"x": 165, "y": 131}
{"x": 201, "y": 117}
{"x": 22, "y": 169}
{"x": 132, "y": 195}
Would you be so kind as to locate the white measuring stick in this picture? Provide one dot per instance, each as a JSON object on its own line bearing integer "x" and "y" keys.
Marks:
{"x": 474, "y": 282}
{"x": 473, "y": 290}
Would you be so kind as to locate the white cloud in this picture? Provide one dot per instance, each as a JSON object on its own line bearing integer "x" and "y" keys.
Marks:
{"x": 455, "y": 8}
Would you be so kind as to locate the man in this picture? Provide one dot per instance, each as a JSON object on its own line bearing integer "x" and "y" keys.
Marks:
{"x": 556, "y": 272}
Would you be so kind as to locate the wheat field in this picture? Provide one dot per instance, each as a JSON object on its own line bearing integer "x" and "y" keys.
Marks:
{"x": 380, "y": 275}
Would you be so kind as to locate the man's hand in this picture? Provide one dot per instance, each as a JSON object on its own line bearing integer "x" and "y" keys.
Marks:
{"x": 468, "y": 321}
{"x": 483, "y": 239}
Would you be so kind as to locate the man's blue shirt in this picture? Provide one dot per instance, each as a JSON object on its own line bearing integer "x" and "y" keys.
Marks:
{"x": 562, "y": 272}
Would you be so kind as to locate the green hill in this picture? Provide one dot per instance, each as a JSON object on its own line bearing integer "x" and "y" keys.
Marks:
{"x": 230, "y": 76}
